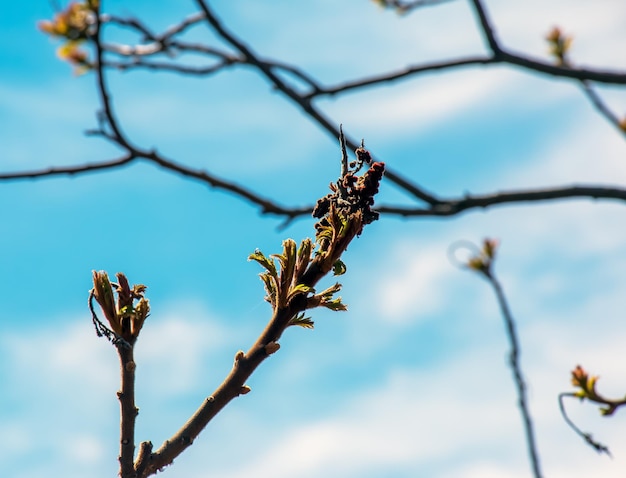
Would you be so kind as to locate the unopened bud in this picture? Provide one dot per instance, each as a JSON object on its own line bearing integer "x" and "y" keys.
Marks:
{"x": 271, "y": 348}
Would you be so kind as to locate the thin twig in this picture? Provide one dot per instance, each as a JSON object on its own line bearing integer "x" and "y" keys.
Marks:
{"x": 267, "y": 206}
{"x": 481, "y": 262}
{"x": 538, "y": 66}
{"x": 188, "y": 22}
{"x": 105, "y": 97}
{"x": 404, "y": 7}
{"x": 304, "y": 103}
{"x": 168, "y": 67}
{"x": 487, "y": 28}
{"x": 435, "y": 206}
{"x": 398, "y": 75}
{"x": 563, "y": 71}
{"x": 443, "y": 207}
{"x": 132, "y": 23}
{"x": 452, "y": 207}
{"x": 599, "y": 447}
{"x": 266, "y": 69}
{"x": 514, "y": 362}
{"x": 602, "y": 108}
{"x": 68, "y": 170}
{"x": 289, "y": 295}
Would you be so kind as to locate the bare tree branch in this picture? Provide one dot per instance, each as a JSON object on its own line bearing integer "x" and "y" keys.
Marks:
{"x": 404, "y": 7}
{"x": 146, "y": 55}
{"x": 596, "y": 445}
{"x": 165, "y": 43}
{"x": 132, "y": 23}
{"x": 190, "y": 21}
{"x": 137, "y": 25}
{"x": 290, "y": 293}
{"x": 487, "y": 29}
{"x": 603, "y": 109}
{"x": 105, "y": 99}
{"x": 514, "y": 362}
{"x": 68, "y": 170}
{"x": 482, "y": 263}
{"x": 500, "y": 55}
{"x": 267, "y": 206}
{"x": 171, "y": 67}
{"x": 582, "y": 74}
{"x": 442, "y": 207}
{"x": 598, "y": 76}
{"x": 305, "y": 104}
{"x": 397, "y": 75}
{"x": 451, "y": 207}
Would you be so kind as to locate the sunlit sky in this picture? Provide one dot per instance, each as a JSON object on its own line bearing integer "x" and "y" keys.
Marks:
{"x": 413, "y": 379}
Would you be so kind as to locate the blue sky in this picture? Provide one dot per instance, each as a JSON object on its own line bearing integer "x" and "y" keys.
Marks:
{"x": 412, "y": 380}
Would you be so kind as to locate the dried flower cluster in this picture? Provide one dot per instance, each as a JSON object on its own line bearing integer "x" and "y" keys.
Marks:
{"x": 352, "y": 194}
{"x": 342, "y": 214}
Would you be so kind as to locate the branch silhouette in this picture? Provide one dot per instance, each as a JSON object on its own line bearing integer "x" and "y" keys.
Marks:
{"x": 481, "y": 262}
{"x": 343, "y": 213}
{"x": 603, "y": 108}
{"x": 586, "y": 385}
{"x": 168, "y": 45}
{"x": 452, "y": 207}
{"x": 290, "y": 290}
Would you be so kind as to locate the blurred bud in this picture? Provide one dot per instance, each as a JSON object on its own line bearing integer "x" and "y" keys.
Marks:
{"x": 559, "y": 45}
{"x": 584, "y": 382}
{"x": 489, "y": 247}
{"x": 482, "y": 261}
{"x": 76, "y": 24}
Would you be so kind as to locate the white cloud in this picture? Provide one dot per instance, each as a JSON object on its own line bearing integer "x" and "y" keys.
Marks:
{"x": 59, "y": 113}
{"x": 14, "y": 439}
{"x": 465, "y": 409}
{"x": 453, "y": 419}
{"x": 421, "y": 105}
{"x": 450, "y": 419}
{"x": 481, "y": 469}
{"x": 173, "y": 351}
{"x": 87, "y": 449}
{"x": 65, "y": 379}
{"x": 351, "y": 38}
{"x": 522, "y": 27}
{"x": 589, "y": 151}
{"x": 56, "y": 358}
{"x": 414, "y": 281}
